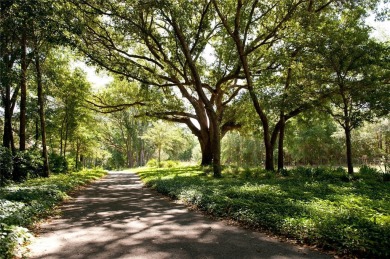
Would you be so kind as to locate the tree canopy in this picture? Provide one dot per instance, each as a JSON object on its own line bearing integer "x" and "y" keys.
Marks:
{"x": 258, "y": 67}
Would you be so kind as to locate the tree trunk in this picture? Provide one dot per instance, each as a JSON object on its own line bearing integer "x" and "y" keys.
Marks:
{"x": 83, "y": 161}
{"x": 269, "y": 157}
{"x": 216, "y": 147}
{"x": 62, "y": 135}
{"x": 281, "y": 142}
{"x": 217, "y": 170}
{"x": 282, "y": 118}
{"x": 159, "y": 157}
{"x": 23, "y": 92}
{"x": 66, "y": 134}
{"x": 348, "y": 143}
{"x": 36, "y": 130}
{"x": 46, "y": 170}
{"x": 7, "y": 135}
{"x": 207, "y": 153}
{"x": 77, "y": 154}
{"x": 130, "y": 153}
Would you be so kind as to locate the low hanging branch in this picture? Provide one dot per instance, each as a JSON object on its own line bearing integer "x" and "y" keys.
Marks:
{"x": 104, "y": 107}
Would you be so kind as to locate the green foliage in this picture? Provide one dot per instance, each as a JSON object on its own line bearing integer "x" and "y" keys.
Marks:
{"x": 309, "y": 140}
{"x": 11, "y": 237}
{"x": 57, "y": 163}
{"x": 29, "y": 163}
{"x": 366, "y": 170}
{"x": 23, "y": 204}
{"x": 164, "y": 164}
{"x": 6, "y": 165}
{"x": 169, "y": 164}
{"x": 372, "y": 173}
{"x": 166, "y": 137}
{"x": 312, "y": 205}
{"x": 242, "y": 149}
{"x": 152, "y": 163}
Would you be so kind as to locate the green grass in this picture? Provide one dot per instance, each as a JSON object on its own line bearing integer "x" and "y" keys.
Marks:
{"x": 23, "y": 204}
{"x": 319, "y": 206}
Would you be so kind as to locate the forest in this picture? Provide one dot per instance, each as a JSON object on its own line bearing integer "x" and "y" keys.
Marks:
{"x": 274, "y": 86}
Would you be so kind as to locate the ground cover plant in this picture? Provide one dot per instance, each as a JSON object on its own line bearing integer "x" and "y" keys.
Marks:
{"x": 23, "y": 204}
{"x": 318, "y": 206}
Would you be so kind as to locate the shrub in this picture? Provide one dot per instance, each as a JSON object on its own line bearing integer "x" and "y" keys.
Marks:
{"x": 366, "y": 170}
{"x": 169, "y": 164}
{"x": 57, "y": 163}
{"x": 303, "y": 172}
{"x": 152, "y": 163}
{"x": 369, "y": 173}
{"x": 11, "y": 237}
{"x": 284, "y": 172}
{"x": 29, "y": 163}
{"x": 232, "y": 171}
{"x": 6, "y": 165}
{"x": 247, "y": 173}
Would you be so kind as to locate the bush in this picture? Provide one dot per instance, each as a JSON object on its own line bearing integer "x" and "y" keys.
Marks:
{"x": 152, "y": 163}
{"x": 6, "y": 165}
{"x": 28, "y": 163}
{"x": 169, "y": 164}
{"x": 366, "y": 170}
{"x": 11, "y": 237}
{"x": 57, "y": 163}
{"x": 164, "y": 164}
{"x": 302, "y": 172}
{"x": 369, "y": 173}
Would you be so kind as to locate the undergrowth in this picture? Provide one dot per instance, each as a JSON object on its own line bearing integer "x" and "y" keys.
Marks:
{"x": 319, "y": 206}
{"x": 23, "y": 204}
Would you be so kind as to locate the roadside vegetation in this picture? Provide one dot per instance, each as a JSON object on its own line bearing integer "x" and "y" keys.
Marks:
{"x": 22, "y": 205}
{"x": 325, "y": 207}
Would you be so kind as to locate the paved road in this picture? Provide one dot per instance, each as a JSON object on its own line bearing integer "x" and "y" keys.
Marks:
{"x": 116, "y": 217}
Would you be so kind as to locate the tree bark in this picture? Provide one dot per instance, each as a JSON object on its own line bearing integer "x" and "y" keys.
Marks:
{"x": 269, "y": 157}
{"x": 281, "y": 143}
{"x": 159, "y": 157}
{"x": 23, "y": 92}
{"x": 7, "y": 135}
{"x": 207, "y": 152}
{"x": 46, "y": 170}
{"x": 348, "y": 143}
{"x": 77, "y": 154}
{"x": 216, "y": 147}
{"x": 66, "y": 134}
{"x": 282, "y": 118}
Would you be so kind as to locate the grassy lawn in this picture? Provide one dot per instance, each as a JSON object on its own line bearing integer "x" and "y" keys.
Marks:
{"x": 23, "y": 204}
{"x": 324, "y": 207}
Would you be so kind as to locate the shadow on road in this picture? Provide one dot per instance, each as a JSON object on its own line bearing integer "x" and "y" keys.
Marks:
{"x": 117, "y": 217}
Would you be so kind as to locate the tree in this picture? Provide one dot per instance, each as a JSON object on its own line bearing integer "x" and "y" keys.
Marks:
{"x": 156, "y": 44}
{"x": 357, "y": 70}
{"x": 9, "y": 53}
{"x": 256, "y": 28}
{"x": 28, "y": 28}
{"x": 310, "y": 140}
{"x": 164, "y": 137}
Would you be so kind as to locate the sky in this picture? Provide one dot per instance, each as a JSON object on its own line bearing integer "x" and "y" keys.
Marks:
{"x": 98, "y": 80}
